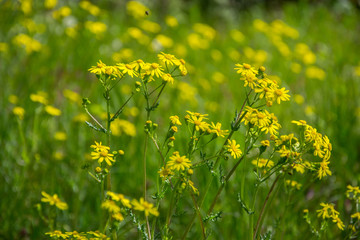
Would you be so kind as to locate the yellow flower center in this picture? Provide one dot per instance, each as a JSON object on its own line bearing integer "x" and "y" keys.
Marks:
{"x": 128, "y": 66}
{"x": 197, "y": 122}
{"x": 167, "y": 56}
{"x": 103, "y": 154}
{"x": 154, "y": 65}
{"x": 182, "y": 61}
{"x": 247, "y": 66}
{"x": 179, "y": 160}
{"x": 139, "y": 61}
{"x": 278, "y": 92}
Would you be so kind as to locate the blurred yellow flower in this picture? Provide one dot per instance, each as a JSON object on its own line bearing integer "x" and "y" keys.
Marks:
{"x": 60, "y": 136}
{"x": 50, "y": 4}
{"x": 96, "y": 28}
{"x": 54, "y": 200}
{"x": 146, "y": 207}
{"x": 19, "y": 111}
{"x": 53, "y": 111}
{"x": 315, "y": 73}
{"x": 171, "y": 21}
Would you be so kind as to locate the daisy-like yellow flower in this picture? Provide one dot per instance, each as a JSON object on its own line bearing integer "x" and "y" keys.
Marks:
{"x": 127, "y": 69}
{"x": 153, "y": 69}
{"x": 99, "y": 146}
{"x": 250, "y": 80}
{"x": 245, "y": 69}
{"x": 265, "y": 143}
{"x": 103, "y": 155}
{"x": 165, "y": 172}
{"x": 233, "y": 149}
{"x": 119, "y": 198}
{"x": 110, "y": 206}
{"x": 175, "y": 120}
{"x": 138, "y": 64}
{"x": 144, "y": 206}
{"x": 324, "y": 212}
{"x": 324, "y": 169}
{"x": 53, "y": 111}
{"x": 198, "y": 123}
{"x": 167, "y": 78}
{"x": 216, "y": 128}
{"x": 54, "y": 200}
{"x": 167, "y": 58}
{"x": 262, "y": 162}
{"x": 100, "y": 68}
{"x": 178, "y": 163}
{"x": 280, "y": 95}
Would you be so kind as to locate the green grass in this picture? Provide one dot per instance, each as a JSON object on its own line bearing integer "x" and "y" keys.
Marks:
{"x": 28, "y": 165}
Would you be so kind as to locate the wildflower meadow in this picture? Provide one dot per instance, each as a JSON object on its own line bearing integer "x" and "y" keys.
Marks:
{"x": 179, "y": 119}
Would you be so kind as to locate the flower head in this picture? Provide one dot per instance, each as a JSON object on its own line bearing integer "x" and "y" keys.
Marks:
{"x": 178, "y": 162}
{"x": 54, "y": 200}
{"x": 233, "y": 149}
{"x": 146, "y": 207}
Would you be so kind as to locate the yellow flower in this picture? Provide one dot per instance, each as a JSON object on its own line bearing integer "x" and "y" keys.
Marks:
{"x": 127, "y": 69}
{"x": 178, "y": 163}
{"x": 19, "y": 111}
{"x": 175, "y": 120}
{"x": 171, "y": 21}
{"x": 245, "y": 69}
{"x": 40, "y": 97}
{"x": 96, "y": 27}
{"x": 233, "y": 149}
{"x": 54, "y": 200}
{"x": 338, "y": 222}
{"x": 167, "y": 58}
{"x": 198, "y": 123}
{"x": 165, "y": 172}
{"x": 110, "y": 206}
{"x": 262, "y": 162}
{"x": 118, "y": 216}
{"x": 72, "y": 96}
{"x": 265, "y": 143}
{"x": 324, "y": 169}
{"x": 146, "y": 207}
{"x": 60, "y": 136}
{"x": 280, "y": 95}
{"x": 299, "y": 123}
{"x": 102, "y": 155}
{"x": 58, "y": 234}
{"x": 217, "y": 130}
{"x": 100, "y": 68}
{"x": 119, "y": 198}
{"x": 52, "y": 110}
{"x": 168, "y": 78}
{"x": 153, "y": 69}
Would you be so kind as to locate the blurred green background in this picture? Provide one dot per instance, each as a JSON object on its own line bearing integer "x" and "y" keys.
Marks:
{"x": 47, "y": 47}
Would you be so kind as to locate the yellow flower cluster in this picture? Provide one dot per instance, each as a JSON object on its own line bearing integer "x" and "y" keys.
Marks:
{"x": 263, "y": 120}
{"x": 293, "y": 184}
{"x": 321, "y": 146}
{"x": 141, "y": 69}
{"x": 262, "y": 84}
{"x": 200, "y": 125}
{"x": 76, "y": 235}
{"x": 328, "y": 211}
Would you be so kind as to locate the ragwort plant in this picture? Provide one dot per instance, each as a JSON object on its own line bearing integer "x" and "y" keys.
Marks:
{"x": 275, "y": 157}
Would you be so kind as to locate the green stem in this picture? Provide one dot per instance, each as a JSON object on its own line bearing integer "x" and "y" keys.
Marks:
{"x": 199, "y": 215}
{"x": 263, "y": 207}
